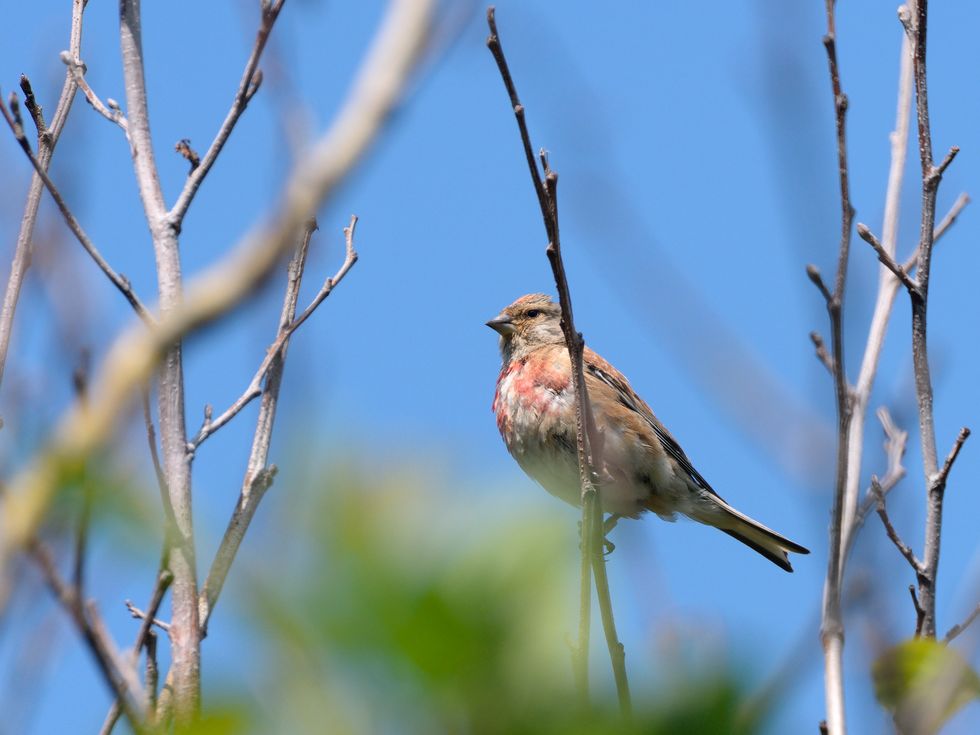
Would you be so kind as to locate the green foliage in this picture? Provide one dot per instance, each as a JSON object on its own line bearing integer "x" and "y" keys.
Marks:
{"x": 923, "y": 682}
{"x": 392, "y": 607}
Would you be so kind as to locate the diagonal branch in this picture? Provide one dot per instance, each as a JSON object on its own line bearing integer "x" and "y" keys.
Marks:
{"x": 959, "y": 628}
{"x": 118, "y": 673}
{"x": 119, "y": 281}
{"x": 903, "y": 548}
{"x": 254, "y": 389}
{"x": 886, "y": 259}
{"x": 109, "y": 110}
{"x": 47, "y": 140}
{"x": 247, "y": 87}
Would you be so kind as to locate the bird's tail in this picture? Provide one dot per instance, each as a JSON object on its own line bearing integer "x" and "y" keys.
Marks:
{"x": 756, "y": 536}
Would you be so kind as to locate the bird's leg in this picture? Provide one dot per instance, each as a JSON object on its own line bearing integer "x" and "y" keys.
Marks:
{"x": 608, "y": 525}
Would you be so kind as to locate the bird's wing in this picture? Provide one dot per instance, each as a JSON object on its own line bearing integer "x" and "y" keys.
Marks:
{"x": 600, "y": 370}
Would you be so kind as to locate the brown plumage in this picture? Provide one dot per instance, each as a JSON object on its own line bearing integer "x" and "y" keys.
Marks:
{"x": 644, "y": 467}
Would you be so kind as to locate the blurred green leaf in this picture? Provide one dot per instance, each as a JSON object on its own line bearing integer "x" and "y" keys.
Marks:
{"x": 923, "y": 682}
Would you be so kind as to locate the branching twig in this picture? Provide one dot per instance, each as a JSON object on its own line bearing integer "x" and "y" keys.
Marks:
{"x": 886, "y": 259}
{"x": 134, "y": 355}
{"x": 119, "y": 674}
{"x": 254, "y": 389}
{"x": 821, "y": 350}
{"x": 964, "y": 434}
{"x": 109, "y": 109}
{"x": 588, "y": 440}
{"x": 249, "y": 85}
{"x": 47, "y": 139}
{"x": 119, "y": 281}
{"x": 915, "y": 23}
{"x": 896, "y": 441}
{"x": 147, "y": 617}
{"x": 903, "y": 548}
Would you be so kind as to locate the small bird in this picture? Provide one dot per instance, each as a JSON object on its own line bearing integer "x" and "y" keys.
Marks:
{"x": 644, "y": 468}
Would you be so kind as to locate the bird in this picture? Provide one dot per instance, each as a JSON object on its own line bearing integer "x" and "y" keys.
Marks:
{"x": 643, "y": 466}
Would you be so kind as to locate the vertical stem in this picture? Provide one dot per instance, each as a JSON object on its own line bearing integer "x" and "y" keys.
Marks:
{"x": 832, "y": 624}
{"x": 931, "y": 176}
{"x": 185, "y": 628}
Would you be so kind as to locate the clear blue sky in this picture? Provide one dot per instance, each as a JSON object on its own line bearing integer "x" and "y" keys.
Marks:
{"x": 695, "y": 147}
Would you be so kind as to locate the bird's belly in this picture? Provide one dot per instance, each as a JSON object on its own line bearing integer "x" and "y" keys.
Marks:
{"x": 538, "y": 428}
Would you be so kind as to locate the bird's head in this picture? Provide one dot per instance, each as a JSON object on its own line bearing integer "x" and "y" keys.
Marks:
{"x": 530, "y": 322}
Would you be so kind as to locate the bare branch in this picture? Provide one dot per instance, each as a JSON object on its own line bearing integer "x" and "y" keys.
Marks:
{"x": 902, "y": 547}
{"x": 35, "y": 110}
{"x": 147, "y": 617}
{"x": 143, "y": 636}
{"x": 46, "y": 144}
{"x": 916, "y": 25}
{"x": 896, "y": 440}
{"x": 813, "y": 273}
{"x": 589, "y": 442}
{"x": 887, "y": 260}
{"x": 118, "y": 280}
{"x": 254, "y": 389}
{"x": 134, "y": 355}
{"x": 957, "y": 629}
{"x": 941, "y": 229}
{"x": 249, "y": 85}
{"x": 119, "y": 675}
{"x": 951, "y": 457}
{"x": 110, "y": 111}
{"x": 822, "y": 354}
{"x": 258, "y": 478}
{"x": 183, "y": 147}
{"x": 920, "y": 614}
{"x": 831, "y": 623}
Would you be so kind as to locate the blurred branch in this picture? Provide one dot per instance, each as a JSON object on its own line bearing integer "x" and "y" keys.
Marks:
{"x": 957, "y": 629}
{"x": 47, "y": 140}
{"x": 895, "y": 443}
{"x": 119, "y": 281}
{"x": 254, "y": 389}
{"x": 920, "y": 614}
{"x": 832, "y": 623}
{"x": 135, "y": 353}
{"x": 247, "y": 87}
{"x": 144, "y": 634}
{"x": 119, "y": 674}
{"x": 589, "y": 442}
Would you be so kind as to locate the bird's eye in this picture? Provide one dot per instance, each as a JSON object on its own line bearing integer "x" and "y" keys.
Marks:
{"x": 532, "y": 313}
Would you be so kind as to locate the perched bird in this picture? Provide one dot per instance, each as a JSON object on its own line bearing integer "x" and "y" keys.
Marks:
{"x": 644, "y": 468}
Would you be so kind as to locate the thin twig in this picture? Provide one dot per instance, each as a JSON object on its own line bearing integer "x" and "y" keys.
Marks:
{"x": 959, "y": 628}
{"x": 119, "y": 674}
{"x": 821, "y": 350}
{"x": 110, "y": 109}
{"x": 145, "y": 632}
{"x": 832, "y": 624}
{"x": 254, "y": 389}
{"x": 46, "y": 145}
{"x": 119, "y": 281}
{"x": 903, "y": 548}
{"x": 589, "y": 442}
{"x": 247, "y": 87}
{"x": 896, "y": 440}
{"x": 147, "y": 618}
{"x": 886, "y": 259}
{"x": 920, "y": 614}
{"x": 951, "y": 457}
{"x": 941, "y": 229}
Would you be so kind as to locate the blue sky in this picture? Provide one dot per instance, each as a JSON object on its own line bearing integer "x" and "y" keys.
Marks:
{"x": 696, "y": 154}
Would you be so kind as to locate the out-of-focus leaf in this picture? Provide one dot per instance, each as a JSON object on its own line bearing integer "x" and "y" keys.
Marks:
{"x": 923, "y": 682}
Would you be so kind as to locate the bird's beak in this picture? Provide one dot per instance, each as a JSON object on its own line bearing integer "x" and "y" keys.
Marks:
{"x": 502, "y": 324}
